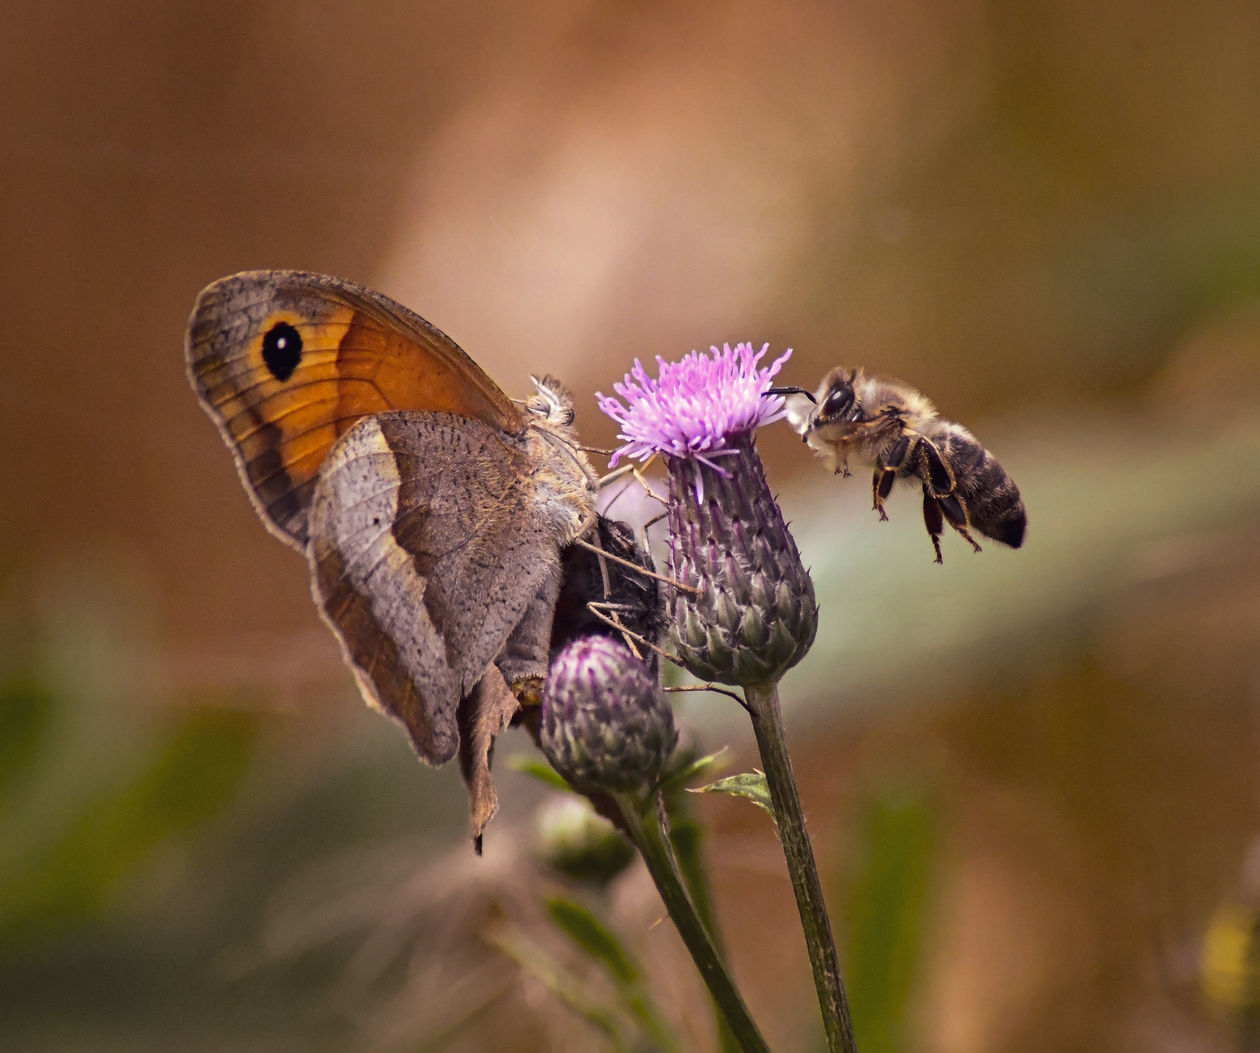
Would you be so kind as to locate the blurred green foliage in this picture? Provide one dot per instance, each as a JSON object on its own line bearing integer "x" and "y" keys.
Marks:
{"x": 888, "y": 910}
{"x": 72, "y": 876}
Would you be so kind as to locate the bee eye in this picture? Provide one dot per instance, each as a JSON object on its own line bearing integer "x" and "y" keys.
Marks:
{"x": 837, "y": 402}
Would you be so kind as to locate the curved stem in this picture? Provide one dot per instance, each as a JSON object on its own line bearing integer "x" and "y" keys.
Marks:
{"x": 763, "y": 706}
{"x": 650, "y": 839}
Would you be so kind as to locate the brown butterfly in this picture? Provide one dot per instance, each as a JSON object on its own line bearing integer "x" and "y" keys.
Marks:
{"x": 432, "y": 509}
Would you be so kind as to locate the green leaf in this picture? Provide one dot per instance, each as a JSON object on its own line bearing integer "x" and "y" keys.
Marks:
{"x": 751, "y": 785}
{"x": 888, "y": 906}
{"x": 691, "y": 767}
{"x": 533, "y": 959}
{"x": 589, "y": 933}
{"x": 26, "y": 711}
{"x": 539, "y": 770}
{"x": 188, "y": 779}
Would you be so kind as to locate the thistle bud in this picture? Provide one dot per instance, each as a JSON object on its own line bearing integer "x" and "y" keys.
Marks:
{"x": 605, "y": 724}
{"x": 573, "y": 840}
{"x": 751, "y": 615}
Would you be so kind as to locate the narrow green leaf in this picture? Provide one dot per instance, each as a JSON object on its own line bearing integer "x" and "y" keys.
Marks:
{"x": 693, "y": 767}
{"x": 889, "y": 907}
{"x": 568, "y": 988}
{"x": 589, "y": 933}
{"x": 540, "y": 770}
{"x": 187, "y": 780}
{"x": 26, "y": 711}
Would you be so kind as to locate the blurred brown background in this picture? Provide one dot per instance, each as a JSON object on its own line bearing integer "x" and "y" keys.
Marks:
{"x": 1031, "y": 776}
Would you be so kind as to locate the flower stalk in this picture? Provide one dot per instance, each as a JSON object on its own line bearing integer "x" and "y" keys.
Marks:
{"x": 650, "y": 839}
{"x": 606, "y": 727}
{"x": 767, "y": 722}
{"x": 747, "y": 612}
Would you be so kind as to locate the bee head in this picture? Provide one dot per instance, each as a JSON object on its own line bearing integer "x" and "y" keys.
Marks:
{"x": 838, "y": 401}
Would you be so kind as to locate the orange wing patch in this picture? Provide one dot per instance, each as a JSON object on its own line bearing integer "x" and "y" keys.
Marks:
{"x": 286, "y": 362}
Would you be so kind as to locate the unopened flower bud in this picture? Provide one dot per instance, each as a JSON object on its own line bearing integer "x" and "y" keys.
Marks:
{"x": 575, "y": 841}
{"x": 605, "y": 724}
{"x": 752, "y": 614}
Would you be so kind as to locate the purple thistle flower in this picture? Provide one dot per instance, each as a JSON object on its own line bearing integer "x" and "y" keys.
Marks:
{"x": 696, "y": 406}
{"x": 747, "y": 612}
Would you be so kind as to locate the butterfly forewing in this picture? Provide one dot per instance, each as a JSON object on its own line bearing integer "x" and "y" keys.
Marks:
{"x": 286, "y": 362}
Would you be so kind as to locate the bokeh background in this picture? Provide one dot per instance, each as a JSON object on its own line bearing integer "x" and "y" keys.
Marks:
{"x": 1031, "y": 776}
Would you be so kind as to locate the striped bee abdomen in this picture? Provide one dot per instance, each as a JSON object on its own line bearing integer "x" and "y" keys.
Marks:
{"x": 990, "y": 496}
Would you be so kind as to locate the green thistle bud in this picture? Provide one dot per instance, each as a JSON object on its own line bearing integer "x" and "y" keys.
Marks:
{"x": 576, "y": 842}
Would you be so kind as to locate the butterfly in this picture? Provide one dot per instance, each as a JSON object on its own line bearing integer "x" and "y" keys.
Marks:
{"x": 435, "y": 513}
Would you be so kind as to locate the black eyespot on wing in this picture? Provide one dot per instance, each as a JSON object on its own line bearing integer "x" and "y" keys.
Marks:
{"x": 282, "y": 350}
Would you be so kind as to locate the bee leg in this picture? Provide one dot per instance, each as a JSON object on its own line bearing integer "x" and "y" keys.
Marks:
{"x": 933, "y": 520}
{"x": 957, "y": 518}
{"x": 881, "y": 487}
{"x": 935, "y": 473}
{"x": 886, "y": 473}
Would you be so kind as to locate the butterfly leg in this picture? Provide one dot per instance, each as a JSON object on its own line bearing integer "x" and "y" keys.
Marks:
{"x": 637, "y": 567}
{"x": 609, "y": 614}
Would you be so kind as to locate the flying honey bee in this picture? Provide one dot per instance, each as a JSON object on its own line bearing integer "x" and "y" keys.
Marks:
{"x": 897, "y": 430}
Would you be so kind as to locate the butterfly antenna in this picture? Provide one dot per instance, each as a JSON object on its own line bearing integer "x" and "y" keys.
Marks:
{"x": 674, "y": 582}
{"x": 607, "y": 613}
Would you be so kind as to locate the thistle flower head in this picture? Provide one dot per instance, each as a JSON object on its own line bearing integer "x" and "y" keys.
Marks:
{"x": 747, "y": 612}
{"x": 695, "y": 407}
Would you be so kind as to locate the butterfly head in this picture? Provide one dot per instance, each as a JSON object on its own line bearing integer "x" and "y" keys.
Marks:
{"x": 552, "y": 402}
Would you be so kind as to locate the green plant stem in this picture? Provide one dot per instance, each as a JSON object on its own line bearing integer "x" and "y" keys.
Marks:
{"x": 651, "y": 842}
{"x": 685, "y": 835}
{"x": 763, "y": 706}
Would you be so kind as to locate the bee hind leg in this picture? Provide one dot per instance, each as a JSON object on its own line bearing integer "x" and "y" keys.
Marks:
{"x": 957, "y": 518}
{"x": 933, "y": 520}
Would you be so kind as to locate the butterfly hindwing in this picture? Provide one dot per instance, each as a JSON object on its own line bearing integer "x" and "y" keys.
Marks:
{"x": 426, "y": 552}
